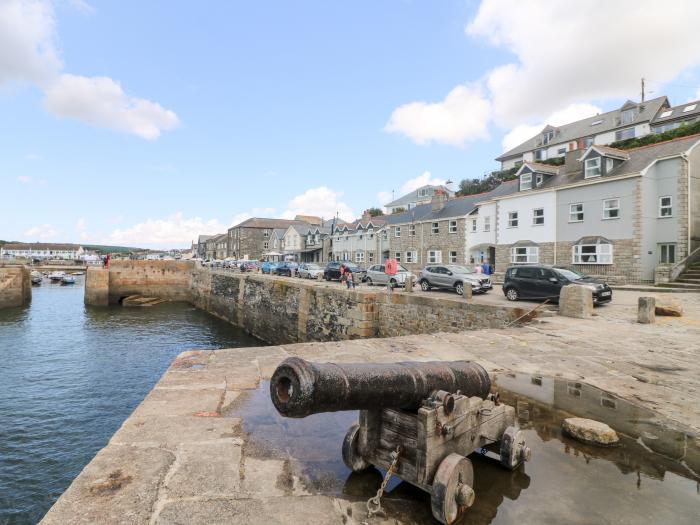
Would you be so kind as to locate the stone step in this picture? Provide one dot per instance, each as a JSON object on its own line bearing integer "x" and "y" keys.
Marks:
{"x": 139, "y": 300}
{"x": 687, "y": 286}
{"x": 688, "y": 280}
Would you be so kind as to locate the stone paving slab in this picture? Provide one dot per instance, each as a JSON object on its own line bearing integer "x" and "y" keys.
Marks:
{"x": 176, "y": 460}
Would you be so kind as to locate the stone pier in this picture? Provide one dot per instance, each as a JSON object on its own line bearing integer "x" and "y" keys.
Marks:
{"x": 15, "y": 286}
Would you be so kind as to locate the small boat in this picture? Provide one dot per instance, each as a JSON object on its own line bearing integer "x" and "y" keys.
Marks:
{"x": 37, "y": 278}
{"x": 57, "y": 276}
{"x": 78, "y": 273}
{"x": 67, "y": 279}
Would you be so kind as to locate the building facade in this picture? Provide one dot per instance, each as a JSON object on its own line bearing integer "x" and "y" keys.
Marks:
{"x": 422, "y": 195}
{"x": 41, "y": 250}
{"x": 250, "y": 240}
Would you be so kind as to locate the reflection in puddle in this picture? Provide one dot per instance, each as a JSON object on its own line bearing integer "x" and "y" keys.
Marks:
{"x": 650, "y": 478}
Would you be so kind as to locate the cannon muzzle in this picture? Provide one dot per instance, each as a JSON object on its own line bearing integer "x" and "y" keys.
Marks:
{"x": 299, "y": 388}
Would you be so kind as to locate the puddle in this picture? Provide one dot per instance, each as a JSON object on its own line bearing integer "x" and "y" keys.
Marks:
{"x": 650, "y": 478}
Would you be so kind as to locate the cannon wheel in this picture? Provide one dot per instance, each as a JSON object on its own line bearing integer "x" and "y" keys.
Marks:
{"x": 452, "y": 491}
{"x": 351, "y": 457}
{"x": 513, "y": 448}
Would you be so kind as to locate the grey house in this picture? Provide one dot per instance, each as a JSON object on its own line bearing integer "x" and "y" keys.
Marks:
{"x": 422, "y": 195}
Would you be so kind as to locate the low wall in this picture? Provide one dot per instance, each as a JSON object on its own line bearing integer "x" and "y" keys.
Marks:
{"x": 280, "y": 310}
{"x": 15, "y": 286}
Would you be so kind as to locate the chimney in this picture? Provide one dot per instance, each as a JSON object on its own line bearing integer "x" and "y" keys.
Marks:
{"x": 439, "y": 200}
{"x": 571, "y": 162}
{"x": 366, "y": 216}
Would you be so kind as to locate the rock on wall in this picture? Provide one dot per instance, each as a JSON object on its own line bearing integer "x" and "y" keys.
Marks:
{"x": 171, "y": 280}
{"x": 15, "y": 286}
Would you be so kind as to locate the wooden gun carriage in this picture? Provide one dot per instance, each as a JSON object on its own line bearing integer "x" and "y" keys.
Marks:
{"x": 417, "y": 420}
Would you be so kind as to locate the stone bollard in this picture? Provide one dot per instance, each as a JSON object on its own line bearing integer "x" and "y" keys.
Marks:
{"x": 467, "y": 293}
{"x": 646, "y": 310}
{"x": 576, "y": 301}
{"x": 408, "y": 283}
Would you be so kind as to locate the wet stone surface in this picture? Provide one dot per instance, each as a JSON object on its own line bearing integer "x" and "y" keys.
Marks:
{"x": 651, "y": 477}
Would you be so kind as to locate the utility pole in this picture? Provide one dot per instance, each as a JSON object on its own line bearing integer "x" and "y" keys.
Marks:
{"x": 642, "y": 89}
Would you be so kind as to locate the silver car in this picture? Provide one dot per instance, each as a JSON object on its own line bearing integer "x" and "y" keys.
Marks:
{"x": 376, "y": 275}
{"x": 453, "y": 277}
{"x": 310, "y": 271}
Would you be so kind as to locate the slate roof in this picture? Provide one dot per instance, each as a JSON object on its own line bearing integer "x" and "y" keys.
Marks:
{"x": 204, "y": 238}
{"x": 611, "y": 120}
{"x": 41, "y": 246}
{"x": 639, "y": 158}
{"x": 542, "y": 168}
{"x": 413, "y": 196}
{"x": 677, "y": 113}
{"x": 258, "y": 222}
{"x": 279, "y": 232}
{"x": 455, "y": 207}
{"x": 611, "y": 152}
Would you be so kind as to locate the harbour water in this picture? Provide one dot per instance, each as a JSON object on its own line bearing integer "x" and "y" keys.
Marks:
{"x": 71, "y": 374}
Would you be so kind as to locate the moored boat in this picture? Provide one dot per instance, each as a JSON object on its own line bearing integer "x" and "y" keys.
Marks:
{"x": 67, "y": 279}
{"x": 36, "y": 278}
{"x": 57, "y": 275}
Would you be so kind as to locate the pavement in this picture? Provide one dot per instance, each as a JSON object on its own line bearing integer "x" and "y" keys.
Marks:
{"x": 181, "y": 457}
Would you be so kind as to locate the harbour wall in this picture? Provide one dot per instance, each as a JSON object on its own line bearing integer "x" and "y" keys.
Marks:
{"x": 281, "y": 310}
{"x": 15, "y": 286}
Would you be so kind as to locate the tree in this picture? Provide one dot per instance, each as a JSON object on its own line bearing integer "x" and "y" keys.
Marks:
{"x": 375, "y": 212}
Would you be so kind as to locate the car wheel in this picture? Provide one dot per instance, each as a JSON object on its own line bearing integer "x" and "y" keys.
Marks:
{"x": 369, "y": 281}
{"x": 459, "y": 288}
{"x": 326, "y": 277}
{"x": 392, "y": 283}
{"x": 512, "y": 294}
{"x": 424, "y": 285}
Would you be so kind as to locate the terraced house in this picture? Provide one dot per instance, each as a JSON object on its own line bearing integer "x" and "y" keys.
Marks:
{"x": 362, "y": 242}
{"x": 627, "y": 215}
{"x": 251, "y": 238}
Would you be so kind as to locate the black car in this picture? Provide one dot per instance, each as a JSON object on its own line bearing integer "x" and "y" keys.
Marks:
{"x": 332, "y": 271}
{"x": 289, "y": 269}
{"x": 545, "y": 282}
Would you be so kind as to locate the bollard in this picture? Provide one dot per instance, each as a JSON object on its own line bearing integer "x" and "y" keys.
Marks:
{"x": 408, "y": 283}
{"x": 646, "y": 310}
{"x": 576, "y": 301}
{"x": 467, "y": 293}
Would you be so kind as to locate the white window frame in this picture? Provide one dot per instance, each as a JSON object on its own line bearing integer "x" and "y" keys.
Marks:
{"x": 609, "y": 165}
{"x": 526, "y": 181}
{"x": 624, "y": 120}
{"x": 397, "y": 231}
{"x": 573, "y": 213}
{"x": 411, "y": 230}
{"x": 663, "y": 207}
{"x": 608, "y": 208}
{"x": 603, "y": 254}
{"x": 592, "y": 168}
{"x": 452, "y": 257}
{"x": 512, "y": 219}
{"x": 524, "y": 254}
{"x": 370, "y": 257}
{"x": 487, "y": 223}
{"x": 411, "y": 257}
{"x": 535, "y": 216}
{"x": 435, "y": 228}
{"x": 541, "y": 154}
{"x": 453, "y": 227}
{"x": 360, "y": 257}
{"x": 474, "y": 225}
{"x": 434, "y": 256}
{"x": 266, "y": 245}
{"x": 667, "y": 246}
{"x": 619, "y": 133}
{"x": 397, "y": 256}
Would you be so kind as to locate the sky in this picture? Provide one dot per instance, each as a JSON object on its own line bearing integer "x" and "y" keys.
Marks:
{"x": 147, "y": 123}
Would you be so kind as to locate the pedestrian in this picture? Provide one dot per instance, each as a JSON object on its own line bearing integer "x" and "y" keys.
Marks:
{"x": 478, "y": 268}
{"x": 488, "y": 269}
{"x": 107, "y": 260}
{"x": 349, "y": 278}
{"x": 342, "y": 273}
{"x": 390, "y": 268}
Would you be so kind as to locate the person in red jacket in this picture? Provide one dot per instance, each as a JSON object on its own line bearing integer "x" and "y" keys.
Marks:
{"x": 390, "y": 267}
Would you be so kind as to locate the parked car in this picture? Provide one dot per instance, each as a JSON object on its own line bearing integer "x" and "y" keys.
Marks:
{"x": 454, "y": 277}
{"x": 310, "y": 271}
{"x": 376, "y": 275}
{"x": 250, "y": 266}
{"x": 287, "y": 268}
{"x": 546, "y": 282}
{"x": 332, "y": 271}
{"x": 268, "y": 267}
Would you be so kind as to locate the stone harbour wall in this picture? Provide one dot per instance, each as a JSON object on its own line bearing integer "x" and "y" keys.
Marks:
{"x": 281, "y": 310}
{"x": 15, "y": 286}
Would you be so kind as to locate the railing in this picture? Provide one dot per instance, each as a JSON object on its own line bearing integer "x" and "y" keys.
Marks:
{"x": 681, "y": 266}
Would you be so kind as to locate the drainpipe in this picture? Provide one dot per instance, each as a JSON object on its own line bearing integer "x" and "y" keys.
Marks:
{"x": 556, "y": 208}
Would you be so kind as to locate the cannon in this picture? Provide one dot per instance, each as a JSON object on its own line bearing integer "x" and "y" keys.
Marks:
{"x": 418, "y": 421}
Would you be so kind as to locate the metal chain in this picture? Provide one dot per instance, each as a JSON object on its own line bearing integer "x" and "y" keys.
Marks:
{"x": 374, "y": 505}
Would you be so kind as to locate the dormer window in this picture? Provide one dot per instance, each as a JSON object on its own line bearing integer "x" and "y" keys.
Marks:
{"x": 592, "y": 168}
{"x": 538, "y": 179}
{"x": 547, "y": 137}
{"x": 526, "y": 181}
{"x": 629, "y": 115}
{"x": 423, "y": 192}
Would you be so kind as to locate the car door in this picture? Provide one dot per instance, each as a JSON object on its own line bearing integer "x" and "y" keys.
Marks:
{"x": 378, "y": 275}
{"x": 527, "y": 278}
{"x": 548, "y": 284}
{"x": 441, "y": 276}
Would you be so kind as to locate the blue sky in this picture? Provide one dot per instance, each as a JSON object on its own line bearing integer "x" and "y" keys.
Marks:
{"x": 145, "y": 123}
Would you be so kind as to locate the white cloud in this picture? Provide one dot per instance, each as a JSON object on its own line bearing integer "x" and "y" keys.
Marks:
{"x": 101, "y": 102}
{"x": 81, "y": 5}
{"x": 599, "y": 53}
{"x": 321, "y": 202}
{"x": 175, "y": 230}
{"x": 28, "y": 53}
{"x": 461, "y": 117}
{"x": 410, "y": 185}
{"x": 24, "y": 179}
{"x": 44, "y": 232}
{"x": 81, "y": 226}
{"x": 27, "y": 50}
{"x": 572, "y": 113}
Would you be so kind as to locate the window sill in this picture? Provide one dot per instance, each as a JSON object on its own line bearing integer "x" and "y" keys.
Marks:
{"x": 511, "y": 227}
{"x": 572, "y": 222}
{"x": 609, "y": 218}
{"x": 538, "y": 224}
{"x": 666, "y": 217}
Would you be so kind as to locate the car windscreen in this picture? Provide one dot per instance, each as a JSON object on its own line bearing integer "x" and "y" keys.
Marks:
{"x": 568, "y": 274}
{"x": 461, "y": 269}
{"x": 400, "y": 268}
{"x": 313, "y": 267}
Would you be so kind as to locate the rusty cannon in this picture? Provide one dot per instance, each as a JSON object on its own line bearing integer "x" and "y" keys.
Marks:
{"x": 418, "y": 421}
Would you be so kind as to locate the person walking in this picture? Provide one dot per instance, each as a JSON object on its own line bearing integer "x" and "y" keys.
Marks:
{"x": 390, "y": 268}
{"x": 349, "y": 278}
{"x": 342, "y": 273}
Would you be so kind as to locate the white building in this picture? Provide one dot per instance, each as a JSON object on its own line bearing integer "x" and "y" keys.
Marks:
{"x": 40, "y": 250}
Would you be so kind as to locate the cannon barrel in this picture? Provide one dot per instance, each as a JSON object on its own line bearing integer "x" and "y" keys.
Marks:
{"x": 299, "y": 388}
